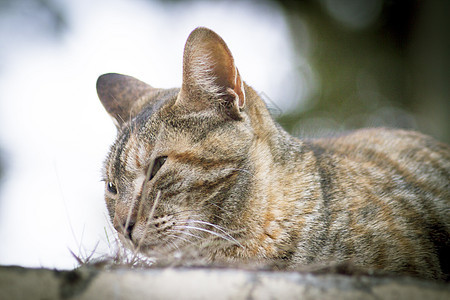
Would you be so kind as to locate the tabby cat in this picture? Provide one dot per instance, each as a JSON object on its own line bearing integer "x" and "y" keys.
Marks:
{"x": 206, "y": 166}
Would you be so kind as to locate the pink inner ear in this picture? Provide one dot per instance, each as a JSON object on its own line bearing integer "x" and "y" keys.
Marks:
{"x": 239, "y": 90}
{"x": 222, "y": 64}
{"x": 208, "y": 67}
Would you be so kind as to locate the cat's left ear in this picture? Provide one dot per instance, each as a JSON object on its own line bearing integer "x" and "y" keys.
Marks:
{"x": 122, "y": 96}
{"x": 209, "y": 73}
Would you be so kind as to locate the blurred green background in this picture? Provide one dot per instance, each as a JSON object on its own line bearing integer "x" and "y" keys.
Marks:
{"x": 378, "y": 63}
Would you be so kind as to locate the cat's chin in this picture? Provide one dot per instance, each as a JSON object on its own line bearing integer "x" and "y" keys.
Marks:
{"x": 140, "y": 245}
{"x": 151, "y": 247}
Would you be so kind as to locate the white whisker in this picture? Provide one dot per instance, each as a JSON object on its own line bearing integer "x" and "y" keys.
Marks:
{"x": 174, "y": 245}
{"x": 176, "y": 237}
{"x": 184, "y": 233}
{"x": 217, "y": 227}
{"x": 210, "y": 232}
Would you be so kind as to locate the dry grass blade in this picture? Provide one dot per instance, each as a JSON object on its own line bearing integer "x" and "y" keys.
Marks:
{"x": 149, "y": 220}
{"x": 145, "y": 185}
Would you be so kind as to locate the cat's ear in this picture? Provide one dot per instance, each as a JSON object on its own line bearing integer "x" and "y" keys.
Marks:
{"x": 209, "y": 72}
{"x": 121, "y": 95}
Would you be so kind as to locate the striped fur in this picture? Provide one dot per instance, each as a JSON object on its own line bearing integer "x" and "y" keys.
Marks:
{"x": 233, "y": 185}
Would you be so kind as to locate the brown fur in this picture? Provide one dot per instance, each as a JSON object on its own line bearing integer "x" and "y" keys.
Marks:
{"x": 237, "y": 188}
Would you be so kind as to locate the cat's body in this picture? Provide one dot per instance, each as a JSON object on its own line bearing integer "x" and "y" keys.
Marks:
{"x": 205, "y": 166}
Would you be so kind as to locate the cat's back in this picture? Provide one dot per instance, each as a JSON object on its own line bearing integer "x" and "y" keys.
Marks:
{"x": 395, "y": 161}
{"x": 387, "y": 191}
{"x": 392, "y": 142}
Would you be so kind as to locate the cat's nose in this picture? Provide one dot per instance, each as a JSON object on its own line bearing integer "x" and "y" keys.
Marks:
{"x": 124, "y": 227}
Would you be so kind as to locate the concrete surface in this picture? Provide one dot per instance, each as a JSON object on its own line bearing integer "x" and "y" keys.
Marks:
{"x": 204, "y": 283}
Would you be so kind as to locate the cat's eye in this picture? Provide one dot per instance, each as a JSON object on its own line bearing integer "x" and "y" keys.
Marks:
{"x": 111, "y": 187}
{"x": 157, "y": 164}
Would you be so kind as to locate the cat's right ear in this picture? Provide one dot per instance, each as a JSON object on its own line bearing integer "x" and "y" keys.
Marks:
{"x": 120, "y": 95}
{"x": 210, "y": 76}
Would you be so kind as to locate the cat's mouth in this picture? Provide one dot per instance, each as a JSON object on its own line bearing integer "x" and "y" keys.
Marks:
{"x": 160, "y": 232}
{"x": 166, "y": 234}
{"x": 150, "y": 243}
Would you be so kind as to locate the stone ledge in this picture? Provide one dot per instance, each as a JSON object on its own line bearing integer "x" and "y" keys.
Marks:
{"x": 204, "y": 283}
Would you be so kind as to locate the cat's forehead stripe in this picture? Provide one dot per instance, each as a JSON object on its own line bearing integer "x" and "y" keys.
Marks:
{"x": 119, "y": 149}
{"x": 204, "y": 162}
{"x": 136, "y": 154}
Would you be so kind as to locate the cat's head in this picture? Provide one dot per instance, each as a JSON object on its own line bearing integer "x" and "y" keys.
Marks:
{"x": 179, "y": 172}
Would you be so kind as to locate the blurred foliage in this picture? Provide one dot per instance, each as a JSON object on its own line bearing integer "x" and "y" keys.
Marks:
{"x": 377, "y": 63}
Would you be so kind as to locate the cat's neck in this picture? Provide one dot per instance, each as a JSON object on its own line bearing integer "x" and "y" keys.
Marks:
{"x": 261, "y": 121}
{"x": 271, "y": 137}
{"x": 277, "y": 161}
